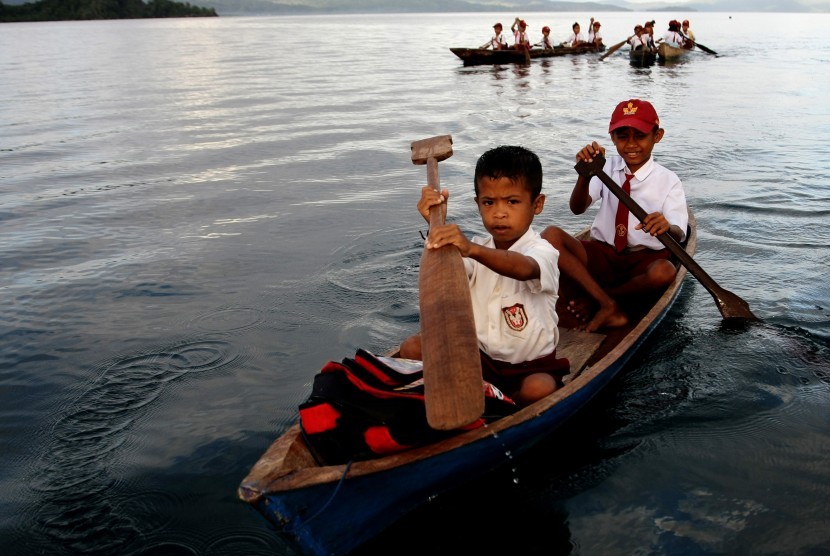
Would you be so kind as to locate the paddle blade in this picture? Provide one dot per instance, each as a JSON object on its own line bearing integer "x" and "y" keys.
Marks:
{"x": 731, "y": 306}
{"x": 453, "y": 391}
{"x": 614, "y": 49}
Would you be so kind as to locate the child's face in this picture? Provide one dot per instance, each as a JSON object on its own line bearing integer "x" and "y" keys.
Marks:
{"x": 506, "y": 208}
{"x": 634, "y": 146}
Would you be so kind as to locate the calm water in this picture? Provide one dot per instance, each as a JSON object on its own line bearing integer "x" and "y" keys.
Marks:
{"x": 198, "y": 214}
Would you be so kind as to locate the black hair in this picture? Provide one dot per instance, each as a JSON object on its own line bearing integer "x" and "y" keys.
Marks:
{"x": 513, "y": 162}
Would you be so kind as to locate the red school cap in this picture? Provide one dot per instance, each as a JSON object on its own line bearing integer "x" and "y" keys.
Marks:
{"x": 545, "y": 28}
{"x": 685, "y": 22}
{"x": 636, "y": 113}
{"x": 498, "y": 25}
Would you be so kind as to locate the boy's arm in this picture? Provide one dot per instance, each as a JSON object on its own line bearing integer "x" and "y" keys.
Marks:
{"x": 507, "y": 263}
{"x": 580, "y": 199}
{"x": 501, "y": 261}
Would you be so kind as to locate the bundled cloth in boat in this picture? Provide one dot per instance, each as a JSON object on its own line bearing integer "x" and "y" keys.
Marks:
{"x": 370, "y": 406}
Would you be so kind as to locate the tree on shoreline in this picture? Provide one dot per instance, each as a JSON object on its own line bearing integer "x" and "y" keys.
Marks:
{"x": 61, "y": 10}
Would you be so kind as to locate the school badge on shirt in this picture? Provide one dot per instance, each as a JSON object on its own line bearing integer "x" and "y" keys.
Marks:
{"x": 515, "y": 316}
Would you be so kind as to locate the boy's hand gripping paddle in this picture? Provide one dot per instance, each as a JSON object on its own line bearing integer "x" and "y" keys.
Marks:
{"x": 730, "y": 305}
{"x": 453, "y": 391}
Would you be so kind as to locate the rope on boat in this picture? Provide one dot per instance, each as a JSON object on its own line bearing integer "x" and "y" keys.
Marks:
{"x": 333, "y": 494}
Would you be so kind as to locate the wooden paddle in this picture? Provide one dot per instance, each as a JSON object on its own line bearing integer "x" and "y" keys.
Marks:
{"x": 730, "y": 305}
{"x": 614, "y": 48}
{"x": 697, "y": 44}
{"x": 453, "y": 391}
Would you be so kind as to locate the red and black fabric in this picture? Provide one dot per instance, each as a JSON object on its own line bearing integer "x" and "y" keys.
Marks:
{"x": 362, "y": 408}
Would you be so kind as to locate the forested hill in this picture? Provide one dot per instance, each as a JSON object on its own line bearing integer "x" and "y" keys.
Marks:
{"x": 57, "y": 10}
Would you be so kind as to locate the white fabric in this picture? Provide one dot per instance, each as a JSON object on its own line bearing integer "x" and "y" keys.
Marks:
{"x": 636, "y": 41}
{"x": 575, "y": 38}
{"x": 497, "y": 40}
{"x": 492, "y": 292}
{"x": 654, "y": 187}
{"x": 673, "y": 38}
{"x": 594, "y": 36}
{"x": 520, "y": 37}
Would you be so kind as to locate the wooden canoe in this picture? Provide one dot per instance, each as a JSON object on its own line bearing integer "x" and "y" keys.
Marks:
{"x": 484, "y": 56}
{"x": 666, "y": 52}
{"x": 331, "y": 510}
{"x": 642, "y": 57}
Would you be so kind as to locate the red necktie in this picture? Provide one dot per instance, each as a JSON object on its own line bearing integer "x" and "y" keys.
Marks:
{"x": 621, "y": 222}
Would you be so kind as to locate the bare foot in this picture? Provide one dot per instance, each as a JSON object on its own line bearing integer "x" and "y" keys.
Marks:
{"x": 609, "y": 316}
{"x": 581, "y": 309}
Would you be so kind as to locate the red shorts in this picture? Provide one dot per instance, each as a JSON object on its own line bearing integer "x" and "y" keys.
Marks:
{"x": 610, "y": 268}
{"x": 508, "y": 377}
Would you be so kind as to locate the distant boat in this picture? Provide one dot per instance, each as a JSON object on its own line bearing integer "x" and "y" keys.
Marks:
{"x": 484, "y": 56}
{"x": 642, "y": 57}
{"x": 332, "y": 509}
{"x": 666, "y": 52}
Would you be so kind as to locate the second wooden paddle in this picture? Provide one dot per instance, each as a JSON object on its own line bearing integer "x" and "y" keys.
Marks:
{"x": 614, "y": 48}
{"x": 452, "y": 365}
{"x": 730, "y": 305}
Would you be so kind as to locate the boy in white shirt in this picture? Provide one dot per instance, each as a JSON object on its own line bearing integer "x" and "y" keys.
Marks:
{"x": 513, "y": 275}
{"x": 594, "y": 36}
{"x": 498, "y": 41}
{"x": 623, "y": 258}
{"x": 576, "y": 38}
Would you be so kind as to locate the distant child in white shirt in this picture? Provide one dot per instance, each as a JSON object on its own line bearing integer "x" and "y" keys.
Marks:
{"x": 498, "y": 41}
{"x": 576, "y": 38}
{"x": 594, "y": 36}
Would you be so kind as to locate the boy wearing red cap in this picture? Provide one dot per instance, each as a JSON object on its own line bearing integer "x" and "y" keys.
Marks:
{"x": 648, "y": 36}
{"x": 672, "y": 37}
{"x": 520, "y": 38}
{"x": 497, "y": 41}
{"x": 639, "y": 262}
{"x": 636, "y": 41}
{"x": 547, "y": 42}
{"x": 594, "y": 36}
{"x": 688, "y": 33}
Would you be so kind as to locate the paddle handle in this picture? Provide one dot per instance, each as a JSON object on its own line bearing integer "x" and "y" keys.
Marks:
{"x": 436, "y": 212}
{"x": 729, "y": 304}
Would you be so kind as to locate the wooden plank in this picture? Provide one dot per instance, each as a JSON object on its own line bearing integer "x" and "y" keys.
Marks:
{"x": 578, "y": 346}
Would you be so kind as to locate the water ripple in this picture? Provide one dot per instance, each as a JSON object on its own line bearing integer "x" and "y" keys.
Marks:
{"x": 81, "y": 506}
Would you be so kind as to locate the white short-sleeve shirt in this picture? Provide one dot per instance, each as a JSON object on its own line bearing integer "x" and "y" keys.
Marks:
{"x": 516, "y": 320}
{"x": 654, "y": 187}
{"x": 498, "y": 41}
{"x": 673, "y": 38}
{"x": 575, "y": 38}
